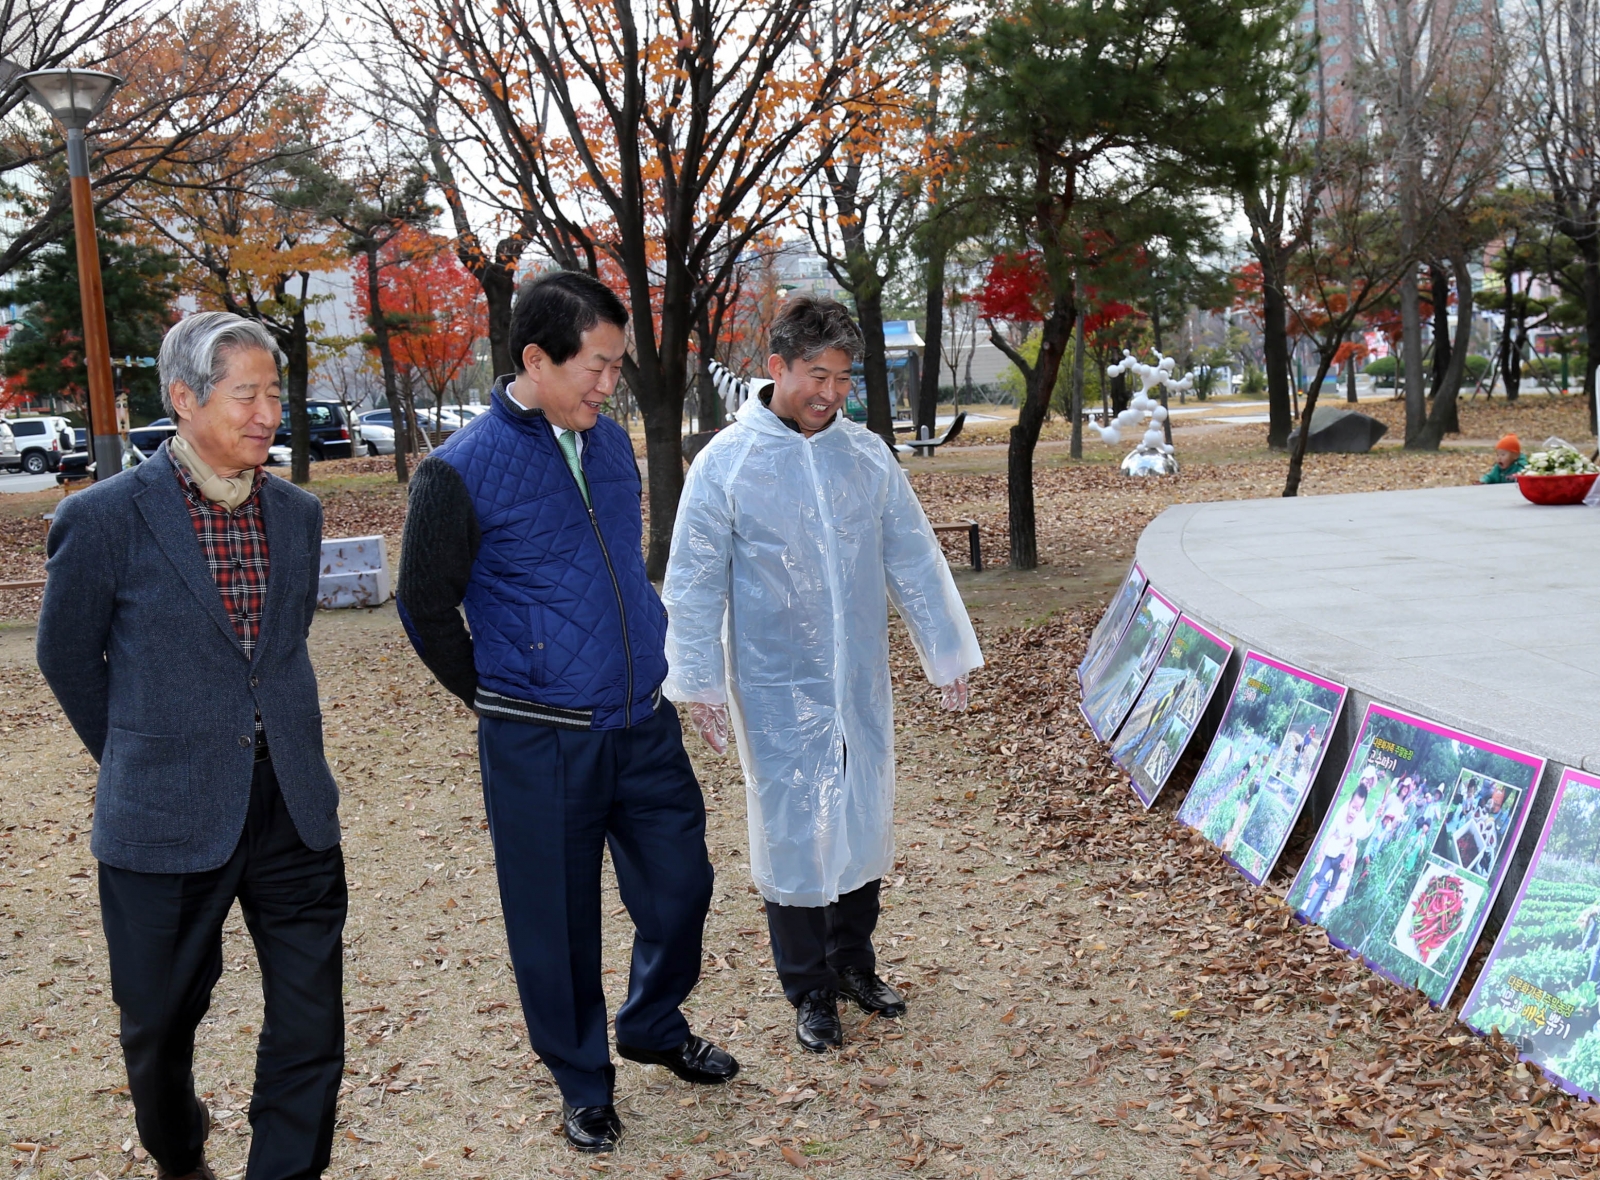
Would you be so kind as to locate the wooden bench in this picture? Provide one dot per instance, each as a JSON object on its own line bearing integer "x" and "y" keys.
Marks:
{"x": 970, "y": 527}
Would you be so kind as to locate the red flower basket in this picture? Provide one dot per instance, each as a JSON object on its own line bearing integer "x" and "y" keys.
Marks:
{"x": 1556, "y": 489}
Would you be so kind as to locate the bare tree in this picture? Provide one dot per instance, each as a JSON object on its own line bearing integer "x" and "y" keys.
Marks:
{"x": 1558, "y": 116}
{"x": 188, "y": 72}
{"x": 672, "y": 144}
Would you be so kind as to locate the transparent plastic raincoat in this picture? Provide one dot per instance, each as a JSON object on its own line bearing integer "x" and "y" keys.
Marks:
{"x": 786, "y": 554}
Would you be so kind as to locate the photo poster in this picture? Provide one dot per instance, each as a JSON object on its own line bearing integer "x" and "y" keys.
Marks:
{"x": 1414, "y": 847}
{"x": 1108, "y": 697}
{"x": 1170, "y": 706}
{"x": 1258, "y": 772}
{"x": 1112, "y": 624}
{"x": 1541, "y": 984}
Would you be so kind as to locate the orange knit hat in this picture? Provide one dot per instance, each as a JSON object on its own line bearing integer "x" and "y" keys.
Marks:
{"x": 1509, "y": 443}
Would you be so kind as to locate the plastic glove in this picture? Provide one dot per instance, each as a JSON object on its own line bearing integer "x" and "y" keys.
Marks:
{"x": 953, "y": 696}
{"x": 712, "y": 723}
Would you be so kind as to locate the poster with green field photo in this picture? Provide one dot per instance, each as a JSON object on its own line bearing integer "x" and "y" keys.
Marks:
{"x": 1541, "y": 986}
{"x": 1260, "y": 767}
{"x": 1169, "y": 707}
{"x": 1111, "y": 693}
{"x": 1414, "y": 847}
{"x": 1112, "y": 624}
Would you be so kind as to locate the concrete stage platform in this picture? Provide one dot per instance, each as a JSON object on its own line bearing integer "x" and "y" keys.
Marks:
{"x": 1469, "y": 606}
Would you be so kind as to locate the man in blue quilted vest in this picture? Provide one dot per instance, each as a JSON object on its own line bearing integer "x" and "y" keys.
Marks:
{"x": 529, "y": 520}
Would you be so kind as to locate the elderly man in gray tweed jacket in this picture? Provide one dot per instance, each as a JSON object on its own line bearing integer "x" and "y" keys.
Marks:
{"x": 176, "y": 608}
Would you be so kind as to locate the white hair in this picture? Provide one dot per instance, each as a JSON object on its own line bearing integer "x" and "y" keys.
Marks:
{"x": 195, "y": 351}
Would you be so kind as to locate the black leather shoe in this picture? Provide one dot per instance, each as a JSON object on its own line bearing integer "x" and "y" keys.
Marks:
{"x": 697, "y": 1060}
{"x": 871, "y": 993}
{"x": 591, "y": 1128}
{"x": 817, "y": 1025}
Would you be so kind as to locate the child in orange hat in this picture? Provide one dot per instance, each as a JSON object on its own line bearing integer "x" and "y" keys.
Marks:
{"x": 1508, "y": 461}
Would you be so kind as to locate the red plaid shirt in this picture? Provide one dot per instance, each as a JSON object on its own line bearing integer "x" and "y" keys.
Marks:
{"x": 234, "y": 545}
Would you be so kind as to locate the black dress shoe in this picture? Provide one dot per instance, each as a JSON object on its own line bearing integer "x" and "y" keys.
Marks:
{"x": 697, "y": 1060}
{"x": 591, "y": 1128}
{"x": 871, "y": 993}
{"x": 817, "y": 1025}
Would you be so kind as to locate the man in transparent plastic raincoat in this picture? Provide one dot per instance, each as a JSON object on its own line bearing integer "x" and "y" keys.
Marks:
{"x": 796, "y": 531}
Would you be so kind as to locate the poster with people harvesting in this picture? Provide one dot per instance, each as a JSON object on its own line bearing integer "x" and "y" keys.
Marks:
{"x": 1111, "y": 693}
{"x": 1414, "y": 847}
{"x": 1112, "y": 624}
{"x": 1169, "y": 707}
{"x": 1541, "y": 985}
{"x": 1260, "y": 767}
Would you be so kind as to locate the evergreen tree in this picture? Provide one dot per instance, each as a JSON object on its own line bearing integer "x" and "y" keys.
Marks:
{"x": 46, "y": 348}
{"x": 1097, "y": 126}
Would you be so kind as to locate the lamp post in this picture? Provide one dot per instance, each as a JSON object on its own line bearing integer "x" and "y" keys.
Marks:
{"x": 74, "y": 98}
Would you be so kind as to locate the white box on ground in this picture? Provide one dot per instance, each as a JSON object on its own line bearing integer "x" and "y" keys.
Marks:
{"x": 354, "y": 572}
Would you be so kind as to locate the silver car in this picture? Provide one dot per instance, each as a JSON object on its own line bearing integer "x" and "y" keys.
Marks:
{"x": 10, "y": 457}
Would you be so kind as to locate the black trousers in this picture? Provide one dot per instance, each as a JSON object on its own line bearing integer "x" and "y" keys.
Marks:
{"x": 812, "y": 944}
{"x": 164, "y": 932}
{"x": 557, "y": 798}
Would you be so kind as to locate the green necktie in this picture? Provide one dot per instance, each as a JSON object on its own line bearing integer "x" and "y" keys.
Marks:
{"x": 568, "y": 441}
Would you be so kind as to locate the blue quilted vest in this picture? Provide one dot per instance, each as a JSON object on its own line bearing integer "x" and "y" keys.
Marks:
{"x": 561, "y": 610}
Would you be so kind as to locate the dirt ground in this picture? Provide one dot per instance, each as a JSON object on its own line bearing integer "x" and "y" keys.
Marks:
{"x": 1093, "y": 992}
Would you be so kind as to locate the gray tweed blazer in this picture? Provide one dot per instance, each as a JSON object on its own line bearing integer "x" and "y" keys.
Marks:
{"x": 138, "y": 648}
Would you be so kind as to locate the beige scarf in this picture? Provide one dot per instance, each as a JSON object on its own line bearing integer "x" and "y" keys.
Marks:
{"x": 230, "y": 493}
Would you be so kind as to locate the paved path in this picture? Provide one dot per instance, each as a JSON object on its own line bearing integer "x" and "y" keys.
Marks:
{"x": 26, "y": 483}
{"x": 1467, "y": 605}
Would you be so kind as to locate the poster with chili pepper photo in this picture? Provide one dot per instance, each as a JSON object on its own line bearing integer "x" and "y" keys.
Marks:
{"x": 1413, "y": 850}
{"x": 1540, "y": 987}
{"x": 1111, "y": 693}
{"x": 1169, "y": 707}
{"x": 1112, "y": 624}
{"x": 1248, "y": 792}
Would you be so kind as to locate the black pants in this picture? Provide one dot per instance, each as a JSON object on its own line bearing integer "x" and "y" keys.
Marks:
{"x": 812, "y": 944}
{"x": 557, "y": 798}
{"x": 164, "y": 932}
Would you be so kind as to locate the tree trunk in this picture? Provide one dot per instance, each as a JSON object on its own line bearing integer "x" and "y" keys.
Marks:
{"x": 1297, "y": 457}
{"x": 709, "y": 405}
{"x": 1040, "y": 380}
{"x": 499, "y": 282}
{"x": 927, "y": 406}
{"x": 1591, "y": 302}
{"x": 1439, "y": 287}
{"x": 1075, "y": 403}
{"x": 1510, "y": 371}
{"x": 1411, "y": 356}
{"x": 880, "y": 415}
{"x": 1350, "y": 381}
{"x": 1444, "y": 418}
{"x": 1119, "y": 394}
{"x": 391, "y": 387}
{"x": 297, "y": 377}
{"x": 1275, "y": 359}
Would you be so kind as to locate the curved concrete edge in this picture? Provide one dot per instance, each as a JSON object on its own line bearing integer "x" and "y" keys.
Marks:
{"x": 1315, "y": 644}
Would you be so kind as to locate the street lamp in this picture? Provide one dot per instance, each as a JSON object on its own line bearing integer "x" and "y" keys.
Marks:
{"x": 74, "y": 98}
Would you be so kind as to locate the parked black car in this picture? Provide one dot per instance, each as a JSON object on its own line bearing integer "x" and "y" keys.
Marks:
{"x": 330, "y": 431}
{"x": 148, "y": 438}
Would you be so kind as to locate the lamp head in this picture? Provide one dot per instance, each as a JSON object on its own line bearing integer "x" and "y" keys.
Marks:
{"x": 73, "y": 97}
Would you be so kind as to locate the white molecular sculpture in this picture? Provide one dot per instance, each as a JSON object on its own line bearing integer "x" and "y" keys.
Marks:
{"x": 1142, "y": 404}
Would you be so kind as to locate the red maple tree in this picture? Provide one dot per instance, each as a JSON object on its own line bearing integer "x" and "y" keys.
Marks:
{"x": 434, "y": 307}
{"x": 1015, "y": 289}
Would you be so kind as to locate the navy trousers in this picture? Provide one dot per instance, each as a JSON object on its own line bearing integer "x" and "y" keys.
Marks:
{"x": 556, "y": 798}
